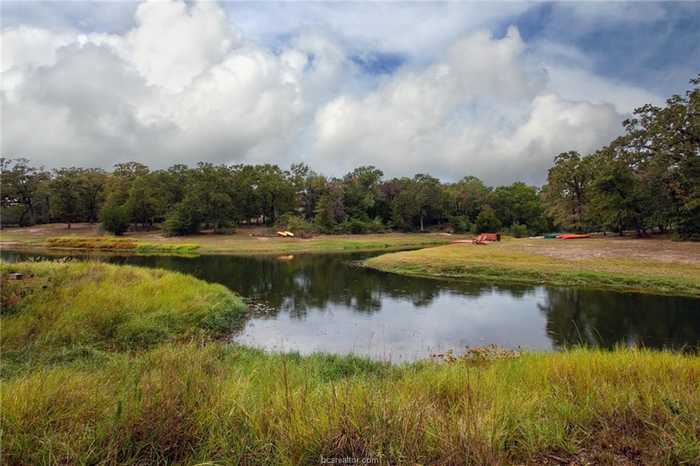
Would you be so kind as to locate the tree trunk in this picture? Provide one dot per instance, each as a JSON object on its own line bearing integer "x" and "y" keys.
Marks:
{"x": 421, "y": 221}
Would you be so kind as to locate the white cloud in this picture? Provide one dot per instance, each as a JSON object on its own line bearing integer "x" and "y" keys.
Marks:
{"x": 183, "y": 85}
{"x": 173, "y": 42}
{"x": 482, "y": 111}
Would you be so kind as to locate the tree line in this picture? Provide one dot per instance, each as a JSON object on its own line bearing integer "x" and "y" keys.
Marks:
{"x": 646, "y": 180}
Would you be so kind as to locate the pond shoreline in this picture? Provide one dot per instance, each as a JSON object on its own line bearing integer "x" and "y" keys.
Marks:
{"x": 118, "y": 390}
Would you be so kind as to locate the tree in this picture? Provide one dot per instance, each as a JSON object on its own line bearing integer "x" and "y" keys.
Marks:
{"x": 467, "y": 197}
{"x": 210, "y": 193}
{"x": 22, "y": 186}
{"x": 91, "y": 185}
{"x": 115, "y": 219}
{"x": 361, "y": 191}
{"x": 183, "y": 219}
{"x": 65, "y": 196}
{"x": 118, "y": 185}
{"x": 487, "y": 221}
{"x": 275, "y": 191}
{"x": 418, "y": 200}
{"x": 518, "y": 204}
{"x": 330, "y": 210}
{"x": 143, "y": 203}
{"x": 567, "y": 190}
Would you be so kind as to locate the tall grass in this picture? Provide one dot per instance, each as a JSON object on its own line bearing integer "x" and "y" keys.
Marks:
{"x": 67, "y": 309}
{"x": 108, "y": 364}
{"x": 212, "y": 403}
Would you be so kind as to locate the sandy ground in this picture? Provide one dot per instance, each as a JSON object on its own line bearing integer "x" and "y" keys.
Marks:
{"x": 664, "y": 250}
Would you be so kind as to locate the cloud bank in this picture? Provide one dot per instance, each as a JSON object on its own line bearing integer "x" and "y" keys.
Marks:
{"x": 184, "y": 84}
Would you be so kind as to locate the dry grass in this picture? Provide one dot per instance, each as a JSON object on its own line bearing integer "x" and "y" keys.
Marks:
{"x": 657, "y": 266}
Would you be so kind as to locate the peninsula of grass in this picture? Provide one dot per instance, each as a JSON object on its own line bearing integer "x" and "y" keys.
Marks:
{"x": 555, "y": 263}
{"x": 108, "y": 364}
{"x": 59, "y": 310}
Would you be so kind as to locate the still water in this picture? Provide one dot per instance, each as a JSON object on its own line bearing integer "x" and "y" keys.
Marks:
{"x": 310, "y": 303}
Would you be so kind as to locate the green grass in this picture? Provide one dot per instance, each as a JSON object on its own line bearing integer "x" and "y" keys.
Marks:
{"x": 228, "y": 405}
{"x": 506, "y": 263}
{"x": 65, "y": 310}
{"x": 108, "y": 364}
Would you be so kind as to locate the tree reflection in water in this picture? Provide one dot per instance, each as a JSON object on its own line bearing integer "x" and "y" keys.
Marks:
{"x": 595, "y": 318}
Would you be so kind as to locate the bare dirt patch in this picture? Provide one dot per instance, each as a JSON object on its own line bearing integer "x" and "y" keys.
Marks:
{"x": 658, "y": 250}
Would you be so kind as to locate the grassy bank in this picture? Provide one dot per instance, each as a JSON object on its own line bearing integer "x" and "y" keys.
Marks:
{"x": 61, "y": 311}
{"x": 600, "y": 263}
{"x": 196, "y": 404}
{"x": 120, "y": 365}
{"x": 245, "y": 241}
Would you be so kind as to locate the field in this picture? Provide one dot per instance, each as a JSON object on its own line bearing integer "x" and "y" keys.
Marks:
{"x": 244, "y": 241}
{"x": 114, "y": 364}
{"x": 642, "y": 265}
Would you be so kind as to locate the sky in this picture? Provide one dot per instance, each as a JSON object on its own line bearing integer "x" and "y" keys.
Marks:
{"x": 494, "y": 90}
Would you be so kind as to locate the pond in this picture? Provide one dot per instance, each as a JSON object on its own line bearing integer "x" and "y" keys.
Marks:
{"x": 325, "y": 302}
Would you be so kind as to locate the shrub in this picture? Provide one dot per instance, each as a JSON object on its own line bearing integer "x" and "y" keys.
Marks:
{"x": 487, "y": 221}
{"x": 115, "y": 219}
{"x": 518, "y": 230}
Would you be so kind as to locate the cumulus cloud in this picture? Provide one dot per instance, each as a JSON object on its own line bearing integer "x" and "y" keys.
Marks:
{"x": 482, "y": 110}
{"x": 184, "y": 84}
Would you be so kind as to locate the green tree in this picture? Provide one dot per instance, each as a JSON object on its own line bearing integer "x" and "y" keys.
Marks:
{"x": 361, "y": 192}
{"x": 330, "y": 210}
{"x": 143, "y": 203}
{"x": 568, "y": 188}
{"x": 66, "y": 203}
{"x": 467, "y": 197}
{"x": 487, "y": 221}
{"x": 519, "y": 204}
{"x": 115, "y": 219}
{"x": 22, "y": 188}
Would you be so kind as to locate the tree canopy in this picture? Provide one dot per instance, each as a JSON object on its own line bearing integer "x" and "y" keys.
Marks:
{"x": 646, "y": 180}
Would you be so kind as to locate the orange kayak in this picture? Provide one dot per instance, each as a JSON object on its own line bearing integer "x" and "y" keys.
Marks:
{"x": 572, "y": 236}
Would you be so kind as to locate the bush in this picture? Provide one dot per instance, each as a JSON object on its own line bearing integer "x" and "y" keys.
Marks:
{"x": 460, "y": 224}
{"x": 518, "y": 230}
{"x": 115, "y": 219}
{"x": 182, "y": 220}
{"x": 487, "y": 221}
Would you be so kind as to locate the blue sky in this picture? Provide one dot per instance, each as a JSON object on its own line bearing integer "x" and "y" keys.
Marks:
{"x": 488, "y": 89}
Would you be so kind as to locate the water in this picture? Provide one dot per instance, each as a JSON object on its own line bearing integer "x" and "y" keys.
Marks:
{"x": 310, "y": 303}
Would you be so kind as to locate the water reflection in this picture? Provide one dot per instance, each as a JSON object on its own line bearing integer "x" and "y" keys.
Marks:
{"x": 576, "y": 316}
{"x": 313, "y": 303}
